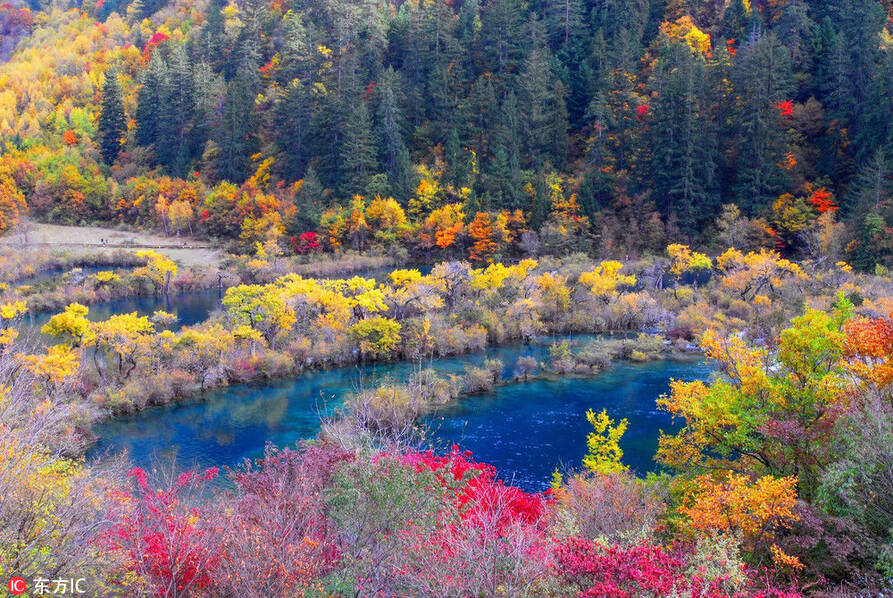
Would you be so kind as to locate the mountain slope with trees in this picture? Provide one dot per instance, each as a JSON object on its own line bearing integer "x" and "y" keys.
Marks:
{"x": 652, "y": 117}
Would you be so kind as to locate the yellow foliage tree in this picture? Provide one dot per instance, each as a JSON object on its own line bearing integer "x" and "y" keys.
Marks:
{"x": 72, "y": 325}
{"x": 606, "y": 279}
{"x": 603, "y": 444}
{"x": 757, "y": 273}
{"x": 684, "y": 29}
{"x": 377, "y": 336}
{"x": 686, "y": 260}
{"x": 158, "y": 269}
{"x": 53, "y": 367}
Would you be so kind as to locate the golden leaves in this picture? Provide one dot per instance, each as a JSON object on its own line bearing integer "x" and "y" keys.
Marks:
{"x": 603, "y": 444}
{"x": 736, "y": 505}
{"x": 606, "y": 278}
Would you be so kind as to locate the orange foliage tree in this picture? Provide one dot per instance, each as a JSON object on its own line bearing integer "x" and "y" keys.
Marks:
{"x": 754, "y": 510}
{"x": 481, "y": 232}
{"x": 12, "y": 203}
{"x": 869, "y": 349}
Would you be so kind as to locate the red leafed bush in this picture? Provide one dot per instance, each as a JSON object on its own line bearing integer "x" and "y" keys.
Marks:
{"x": 495, "y": 547}
{"x": 821, "y": 200}
{"x": 156, "y": 40}
{"x": 274, "y": 539}
{"x": 161, "y": 534}
{"x": 318, "y": 520}
{"x": 599, "y": 571}
{"x": 305, "y": 242}
{"x": 480, "y": 488}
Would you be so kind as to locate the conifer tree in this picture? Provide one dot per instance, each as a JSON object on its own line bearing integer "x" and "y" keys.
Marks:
{"x": 763, "y": 82}
{"x": 236, "y": 131}
{"x": 112, "y": 122}
{"x": 682, "y": 139}
{"x": 392, "y": 150}
{"x": 150, "y": 102}
{"x": 176, "y": 122}
{"x": 292, "y": 118}
{"x": 543, "y": 98}
{"x": 357, "y": 149}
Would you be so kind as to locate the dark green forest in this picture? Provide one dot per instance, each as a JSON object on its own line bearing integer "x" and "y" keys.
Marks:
{"x": 654, "y": 117}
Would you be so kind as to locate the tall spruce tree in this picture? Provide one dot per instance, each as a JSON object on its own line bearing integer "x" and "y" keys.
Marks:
{"x": 544, "y": 99}
{"x": 236, "y": 134}
{"x": 763, "y": 81}
{"x": 292, "y": 117}
{"x": 150, "y": 103}
{"x": 112, "y": 122}
{"x": 682, "y": 143}
{"x": 357, "y": 161}
{"x": 393, "y": 153}
{"x": 177, "y": 118}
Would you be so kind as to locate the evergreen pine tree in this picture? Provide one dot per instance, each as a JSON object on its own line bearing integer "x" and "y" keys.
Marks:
{"x": 392, "y": 149}
{"x": 112, "y": 122}
{"x": 872, "y": 190}
{"x": 543, "y": 96}
{"x": 763, "y": 80}
{"x": 292, "y": 120}
{"x": 682, "y": 141}
{"x": 236, "y": 131}
{"x": 176, "y": 122}
{"x": 150, "y": 102}
{"x": 357, "y": 149}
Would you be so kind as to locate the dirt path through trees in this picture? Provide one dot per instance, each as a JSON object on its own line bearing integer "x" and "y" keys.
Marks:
{"x": 92, "y": 239}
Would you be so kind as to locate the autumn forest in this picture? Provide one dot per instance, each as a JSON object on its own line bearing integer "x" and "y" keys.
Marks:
{"x": 269, "y": 267}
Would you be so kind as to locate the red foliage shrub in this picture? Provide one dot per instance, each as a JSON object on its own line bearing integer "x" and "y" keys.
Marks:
{"x": 305, "y": 242}
{"x": 821, "y": 200}
{"x": 275, "y": 538}
{"x": 643, "y": 570}
{"x": 420, "y": 524}
{"x": 161, "y": 535}
{"x": 786, "y": 109}
{"x": 479, "y": 488}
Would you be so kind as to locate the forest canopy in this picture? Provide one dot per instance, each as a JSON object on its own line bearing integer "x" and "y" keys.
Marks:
{"x": 655, "y": 121}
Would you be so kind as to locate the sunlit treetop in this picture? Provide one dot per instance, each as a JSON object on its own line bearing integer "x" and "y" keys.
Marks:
{"x": 71, "y": 325}
{"x": 605, "y": 280}
{"x": 603, "y": 452}
{"x": 686, "y": 260}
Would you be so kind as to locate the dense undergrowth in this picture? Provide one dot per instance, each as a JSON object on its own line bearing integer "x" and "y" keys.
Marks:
{"x": 778, "y": 483}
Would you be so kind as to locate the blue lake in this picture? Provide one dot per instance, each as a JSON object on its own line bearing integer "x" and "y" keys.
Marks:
{"x": 526, "y": 430}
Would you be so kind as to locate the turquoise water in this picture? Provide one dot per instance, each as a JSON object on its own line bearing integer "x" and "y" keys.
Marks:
{"x": 524, "y": 429}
